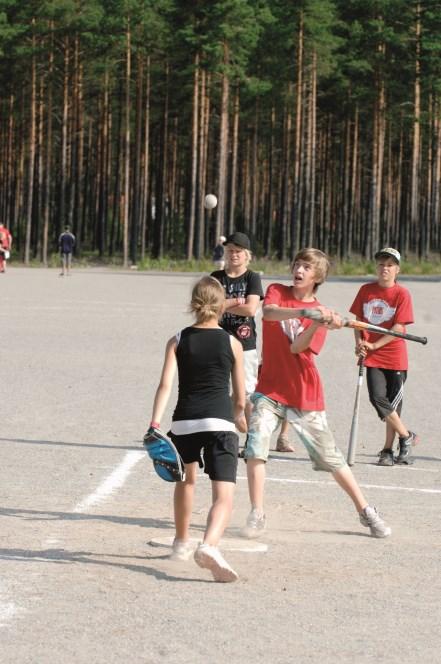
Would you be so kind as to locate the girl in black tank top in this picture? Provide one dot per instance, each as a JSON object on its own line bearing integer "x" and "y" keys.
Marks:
{"x": 205, "y": 361}
{"x": 204, "y": 421}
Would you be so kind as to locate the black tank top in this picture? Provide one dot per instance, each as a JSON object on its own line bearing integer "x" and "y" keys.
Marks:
{"x": 205, "y": 358}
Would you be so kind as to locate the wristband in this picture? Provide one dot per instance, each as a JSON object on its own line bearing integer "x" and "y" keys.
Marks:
{"x": 154, "y": 425}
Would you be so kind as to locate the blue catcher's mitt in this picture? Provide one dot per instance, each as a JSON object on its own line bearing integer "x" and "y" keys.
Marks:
{"x": 166, "y": 458}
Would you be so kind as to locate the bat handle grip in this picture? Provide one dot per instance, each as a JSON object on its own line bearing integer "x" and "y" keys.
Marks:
{"x": 360, "y": 365}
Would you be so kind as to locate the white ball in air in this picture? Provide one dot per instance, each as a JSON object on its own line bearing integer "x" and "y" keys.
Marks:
{"x": 210, "y": 201}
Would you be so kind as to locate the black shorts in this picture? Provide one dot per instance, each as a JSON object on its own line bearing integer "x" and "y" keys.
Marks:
{"x": 215, "y": 451}
{"x": 385, "y": 388}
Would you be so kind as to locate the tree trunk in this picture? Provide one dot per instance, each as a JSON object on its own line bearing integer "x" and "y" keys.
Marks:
{"x": 354, "y": 187}
{"x": 32, "y": 144}
{"x": 202, "y": 165}
{"x": 146, "y": 163}
{"x": 103, "y": 129}
{"x": 64, "y": 135}
{"x": 79, "y": 176}
{"x": 373, "y": 226}
{"x": 48, "y": 153}
{"x": 40, "y": 171}
{"x": 416, "y": 147}
{"x": 285, "y": 194}
{"x": 435, "y": 216}
{"x": 205, "y": 142}
{"x": 161, "y": 176}
{"x": 234, "y": 162}
{"x": 10, "y": 162}
{"x": 313, "y": 143}
{"x": 223, "y": 147}
{"x": 255, "y": 180}
{"x": 295, "y": 215}
{"x": 194, "y": 162}
{"x": 137, "y": 167}
{"x": 126, "y": 195}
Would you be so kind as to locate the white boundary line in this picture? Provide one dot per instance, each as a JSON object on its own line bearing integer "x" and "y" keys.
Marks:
{"x": 384, "y": 487}
{"x": 375, "y": 466}
{"x": 113, "y": 482}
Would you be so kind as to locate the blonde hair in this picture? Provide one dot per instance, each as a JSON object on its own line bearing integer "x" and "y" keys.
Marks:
{"x": 318, "y": 260}
{"x": 207, "y": 299}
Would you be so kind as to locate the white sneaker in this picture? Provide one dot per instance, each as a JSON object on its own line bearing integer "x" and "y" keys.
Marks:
{"x": 209, "y": 557}
{"x": 370, "y": 518}
{"x": 182, "y": 550}
{"x": 256, "y": 524}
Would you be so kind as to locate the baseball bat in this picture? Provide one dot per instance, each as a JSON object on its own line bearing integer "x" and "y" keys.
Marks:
{"x": 359, "y": 325}
{"x": 315, "y": 314}
{"x": 354, "y": 425}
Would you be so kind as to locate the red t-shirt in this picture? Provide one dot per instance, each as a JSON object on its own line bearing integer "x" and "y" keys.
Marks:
{"x": 291, "y": 379}
{"x": 5, "y": 238}
{"x": 382, "y": 306}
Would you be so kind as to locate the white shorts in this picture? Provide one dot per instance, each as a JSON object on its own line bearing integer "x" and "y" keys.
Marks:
{"x": 311, "y": 427}
{"x": 251, "y": 367}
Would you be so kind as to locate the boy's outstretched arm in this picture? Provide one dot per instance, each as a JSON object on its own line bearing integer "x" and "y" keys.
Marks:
{"x": 330, "y": 319}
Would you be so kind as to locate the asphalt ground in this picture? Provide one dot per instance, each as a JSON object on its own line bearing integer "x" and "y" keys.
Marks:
{"x": 85, "y": 523}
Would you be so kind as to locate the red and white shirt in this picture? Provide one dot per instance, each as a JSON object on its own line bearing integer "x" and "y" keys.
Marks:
{"x": 385, "y": 307}
{"x": 290, "y": 378}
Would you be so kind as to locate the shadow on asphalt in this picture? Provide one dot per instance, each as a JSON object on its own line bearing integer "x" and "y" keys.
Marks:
{"x": 45, "y": 515}
{"x": 62, "y": 443}
{"x": 61, "y": 556}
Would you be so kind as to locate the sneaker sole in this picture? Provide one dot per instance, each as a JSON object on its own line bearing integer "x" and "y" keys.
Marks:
{"x": 220, "y": 574}
{"x": 378, "y": 535}
{"x": 382, "y": 535}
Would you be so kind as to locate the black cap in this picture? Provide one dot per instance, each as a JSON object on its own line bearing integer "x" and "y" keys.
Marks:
{"x": 240, "y": 239}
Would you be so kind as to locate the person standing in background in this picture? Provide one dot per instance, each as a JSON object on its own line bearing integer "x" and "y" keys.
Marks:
{"x": 66, "y": 243}
{"x": 243, "y": 292}
{"x": 385, "y": 302}
{"x": 218, "y": 253}
{"x": 5, "y": 246}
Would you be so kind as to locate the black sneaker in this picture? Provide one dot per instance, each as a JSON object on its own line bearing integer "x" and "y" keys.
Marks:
{"x": 405, "y": 449}
{"x": 386, "y": 458}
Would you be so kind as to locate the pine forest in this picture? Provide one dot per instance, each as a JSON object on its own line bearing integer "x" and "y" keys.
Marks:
{"x": 314, "y": 122}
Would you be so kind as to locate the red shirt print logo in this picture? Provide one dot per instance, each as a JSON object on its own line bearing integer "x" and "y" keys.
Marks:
{"x": 378, "y": 311}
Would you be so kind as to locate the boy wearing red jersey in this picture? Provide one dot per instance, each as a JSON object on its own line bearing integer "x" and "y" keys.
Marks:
{"x": 388, "y": 304}
{"x": 289, "y": 387}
